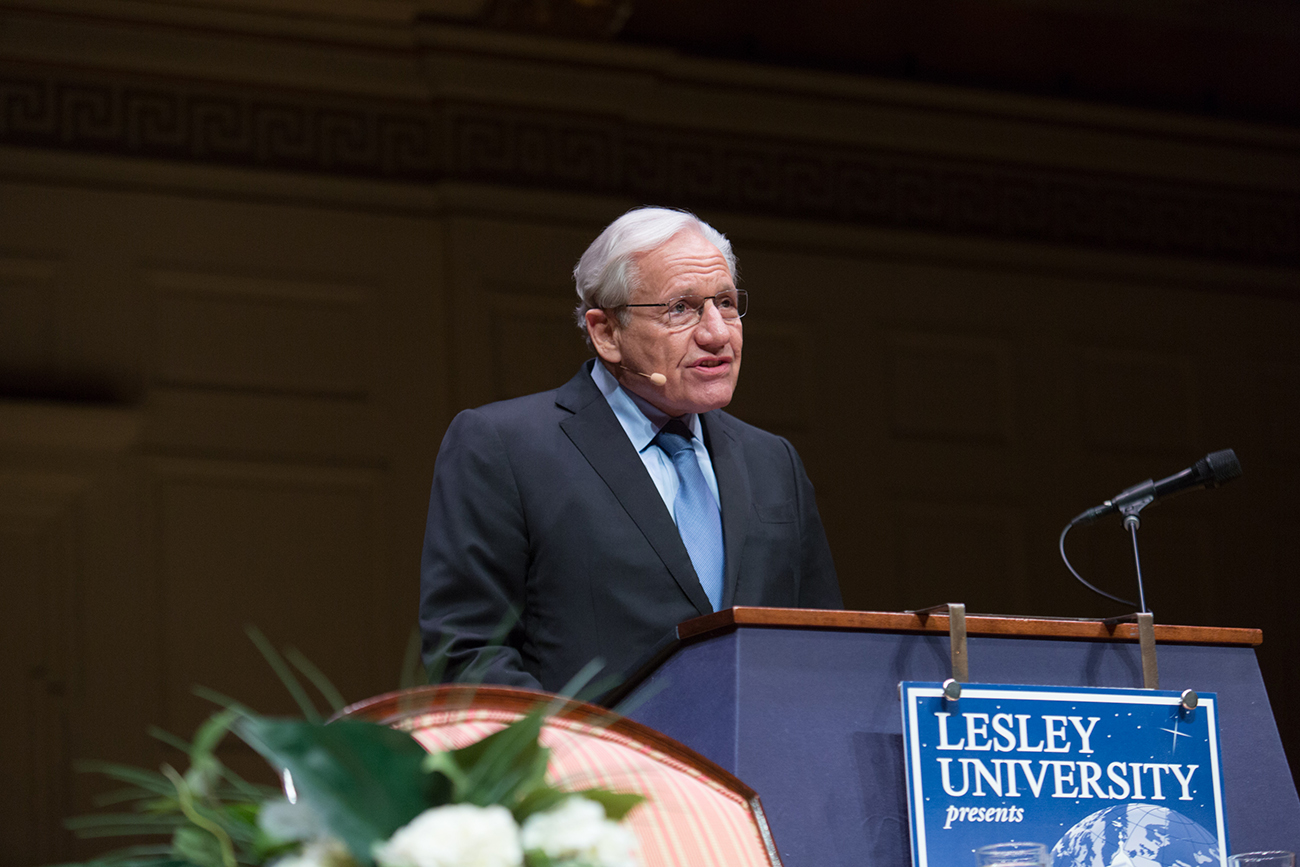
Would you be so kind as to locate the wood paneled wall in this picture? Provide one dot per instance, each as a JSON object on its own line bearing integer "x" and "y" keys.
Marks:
{"x": 252, "y": 264}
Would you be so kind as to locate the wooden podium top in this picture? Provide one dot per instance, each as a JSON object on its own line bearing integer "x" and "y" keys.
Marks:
{"x": 976, "y": 625}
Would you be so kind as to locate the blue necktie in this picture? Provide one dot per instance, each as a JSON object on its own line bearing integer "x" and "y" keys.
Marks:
{"x": 695, "y": 510}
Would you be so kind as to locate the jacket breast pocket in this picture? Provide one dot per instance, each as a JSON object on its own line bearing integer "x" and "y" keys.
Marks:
{"x": 775, "y": 513}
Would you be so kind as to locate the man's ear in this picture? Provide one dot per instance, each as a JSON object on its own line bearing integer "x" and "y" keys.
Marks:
{"x": 603, "y": 330}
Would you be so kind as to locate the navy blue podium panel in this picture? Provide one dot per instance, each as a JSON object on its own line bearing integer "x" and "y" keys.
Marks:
{"x": 804, "y": 707}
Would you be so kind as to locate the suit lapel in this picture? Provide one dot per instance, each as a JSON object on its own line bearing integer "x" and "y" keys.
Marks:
{"x": 595, "y": 431}
{"x": 733, "y": 489}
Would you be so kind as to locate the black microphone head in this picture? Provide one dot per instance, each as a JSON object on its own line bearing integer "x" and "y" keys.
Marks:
{"x": 1218, "y": 468}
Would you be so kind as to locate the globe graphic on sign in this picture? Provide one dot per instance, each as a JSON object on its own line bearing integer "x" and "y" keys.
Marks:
{"x": 1136, "y": 835}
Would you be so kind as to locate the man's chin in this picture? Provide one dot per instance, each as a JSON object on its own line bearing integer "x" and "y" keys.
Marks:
{"x": 708, "y": 400}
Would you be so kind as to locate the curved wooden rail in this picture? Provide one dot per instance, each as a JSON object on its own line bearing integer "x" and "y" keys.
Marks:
{"x": 395, "y": 709}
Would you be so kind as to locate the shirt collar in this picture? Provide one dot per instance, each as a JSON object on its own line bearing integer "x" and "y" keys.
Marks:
{"x": 640, "y": 419}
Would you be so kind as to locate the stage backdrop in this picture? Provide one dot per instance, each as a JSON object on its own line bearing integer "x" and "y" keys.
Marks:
{"x": 252, "y": 263}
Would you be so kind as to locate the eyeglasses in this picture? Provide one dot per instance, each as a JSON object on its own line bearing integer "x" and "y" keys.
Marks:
{"x": 685, "y": 311}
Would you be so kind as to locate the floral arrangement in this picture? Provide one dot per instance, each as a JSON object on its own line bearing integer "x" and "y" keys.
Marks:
{"x": 358, "y": 794}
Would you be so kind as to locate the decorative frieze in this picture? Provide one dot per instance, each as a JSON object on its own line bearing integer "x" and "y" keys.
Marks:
{"x": 52, "y": 107}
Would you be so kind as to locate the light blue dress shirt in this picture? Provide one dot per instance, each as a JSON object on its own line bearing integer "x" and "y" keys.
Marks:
{"x": 641, "y": 422}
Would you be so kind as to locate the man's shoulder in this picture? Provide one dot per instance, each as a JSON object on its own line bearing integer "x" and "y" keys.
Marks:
{"x": 529, "y": 405}
{"x": 543, "y": 407}
{"x": 724, "y": 423}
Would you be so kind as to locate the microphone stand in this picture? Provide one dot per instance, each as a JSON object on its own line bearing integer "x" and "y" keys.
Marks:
{"x": 1132, "y": 523}
{"x": 1145, "y": 620}
{"x": 1213, "y": 470}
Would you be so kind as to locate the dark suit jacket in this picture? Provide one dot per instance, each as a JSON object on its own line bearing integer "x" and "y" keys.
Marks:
{"x": 541, "y": 505}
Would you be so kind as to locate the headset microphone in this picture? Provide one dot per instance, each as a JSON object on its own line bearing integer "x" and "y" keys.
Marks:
{"x": 656, "y": 378}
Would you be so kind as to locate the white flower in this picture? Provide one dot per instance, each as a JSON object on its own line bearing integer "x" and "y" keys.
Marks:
{"x": 458, "y": 835}
{"x": 325, "y": 852}
{"x": 577, "y": 830}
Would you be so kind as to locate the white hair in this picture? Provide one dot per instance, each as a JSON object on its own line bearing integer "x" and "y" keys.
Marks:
{"x": 606, "y": 274}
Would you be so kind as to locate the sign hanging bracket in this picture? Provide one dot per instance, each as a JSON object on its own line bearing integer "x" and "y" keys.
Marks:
{"x": 956, "y": 612}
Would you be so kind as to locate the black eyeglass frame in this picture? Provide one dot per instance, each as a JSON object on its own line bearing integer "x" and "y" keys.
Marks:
{"x": 742, "y": 303}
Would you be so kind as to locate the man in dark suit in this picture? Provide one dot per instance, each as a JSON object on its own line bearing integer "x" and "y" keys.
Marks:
{"x": 589, "y": 520}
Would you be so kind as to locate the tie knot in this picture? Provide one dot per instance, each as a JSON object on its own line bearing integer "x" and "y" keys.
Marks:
{"x": 673, "y": 437}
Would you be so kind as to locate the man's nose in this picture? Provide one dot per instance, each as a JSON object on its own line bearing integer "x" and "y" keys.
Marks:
{"x": 712, "y": 328}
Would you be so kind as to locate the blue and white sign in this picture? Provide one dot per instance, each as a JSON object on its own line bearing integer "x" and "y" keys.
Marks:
{"x": 1103, "y": 777}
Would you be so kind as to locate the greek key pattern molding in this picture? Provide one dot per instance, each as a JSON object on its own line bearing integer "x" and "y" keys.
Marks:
{"x": 61, "y": 109}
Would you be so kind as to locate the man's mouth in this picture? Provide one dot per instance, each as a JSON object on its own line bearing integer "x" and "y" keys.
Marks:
{"x": 711, "y": 362}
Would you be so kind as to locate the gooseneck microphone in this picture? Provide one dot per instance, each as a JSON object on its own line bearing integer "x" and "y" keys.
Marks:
{"x": 656, "y": 378}
{"x": 1216, "y": 468}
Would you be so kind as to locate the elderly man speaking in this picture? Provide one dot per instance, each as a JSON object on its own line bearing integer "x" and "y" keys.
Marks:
{"x": 587, "y": 522}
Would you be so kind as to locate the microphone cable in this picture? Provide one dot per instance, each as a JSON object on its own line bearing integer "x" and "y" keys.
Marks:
{"x": 1097, "y": 590}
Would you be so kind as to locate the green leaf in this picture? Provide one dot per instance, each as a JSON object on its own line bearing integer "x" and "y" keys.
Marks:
{"x": 445, "y": 763}
{"x": 499, "y": 752}
{"x": 538, "y": 801}
{"x": 141, "y": 851}
{"x": 436, "y": 665}
{"x": 284, "y": 672}
{"x": 197, "y": 846}
{"x": 160, "y": 807}
{"x": 531, "y": 776}
{"x": 100, "y": 833}
{"x": 525, "y": 773}
{"x": 412, "y": 673}
{"x": 617, "y": 804}
{"x": 583, "y": 677}
{"x": 592, "y": 692}
{"x": 363, "y": 779}
{"x": 171, "y": 740}
{"x": 125, "y": 796}
{"x": 244, "y": 813}
{"x": 538, "y": 858}
{"x": 475, "y": 671}
{"x": 503, "y": 767}
{"x": 150, "y": 781}
{"x": 628, "y": 705}
{"x": 147, "y": 855}
{"x": 235, "y": 824}
{"x": 222, "y": 699}
{"x": 201, "y": 818}
{"x": 213, "y": 732}
{"x": 317, "y": 677}
{"x": 122, "y": 824}
{"x": 233, "y": 787}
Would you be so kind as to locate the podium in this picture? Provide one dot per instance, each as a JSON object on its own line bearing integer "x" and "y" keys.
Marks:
{"x": 804, "y": 707}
